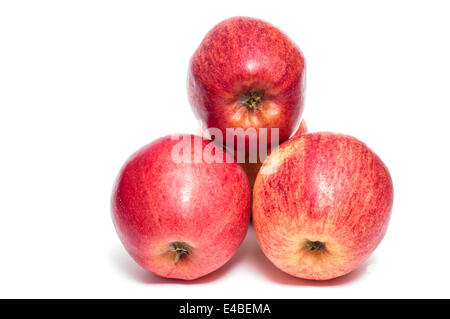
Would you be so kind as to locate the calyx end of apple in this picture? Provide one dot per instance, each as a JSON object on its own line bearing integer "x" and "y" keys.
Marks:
{"x": 315, "y": 246}
{"x": 180, "y": 249}
{"x": 251, "y": 99}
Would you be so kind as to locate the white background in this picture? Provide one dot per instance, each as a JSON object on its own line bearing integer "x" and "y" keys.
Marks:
{"x": 83, "y": 84}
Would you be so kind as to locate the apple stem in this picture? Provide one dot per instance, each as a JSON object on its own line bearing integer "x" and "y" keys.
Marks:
{"x": 251, "y": 100}
{"x": 314, "y": 245}
{"x": 180, "y": 248}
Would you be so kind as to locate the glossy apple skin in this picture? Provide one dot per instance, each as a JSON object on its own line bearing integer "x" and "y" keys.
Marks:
{"x": 327, "y": 187}
{"x": 156, "y": 202}
{"x": 241, "y": 55}
{"x": 252, "y": 169}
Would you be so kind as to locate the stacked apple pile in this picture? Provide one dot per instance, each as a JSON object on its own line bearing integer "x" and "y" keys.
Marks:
{"x": 321, "y": 201}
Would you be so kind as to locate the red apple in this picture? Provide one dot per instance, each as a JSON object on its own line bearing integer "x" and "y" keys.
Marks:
{"x": 323, "y": 205}
{"x": 180, "y": 220}
{"x": 247, "y": 74}
{"x": 252, "y": 169}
